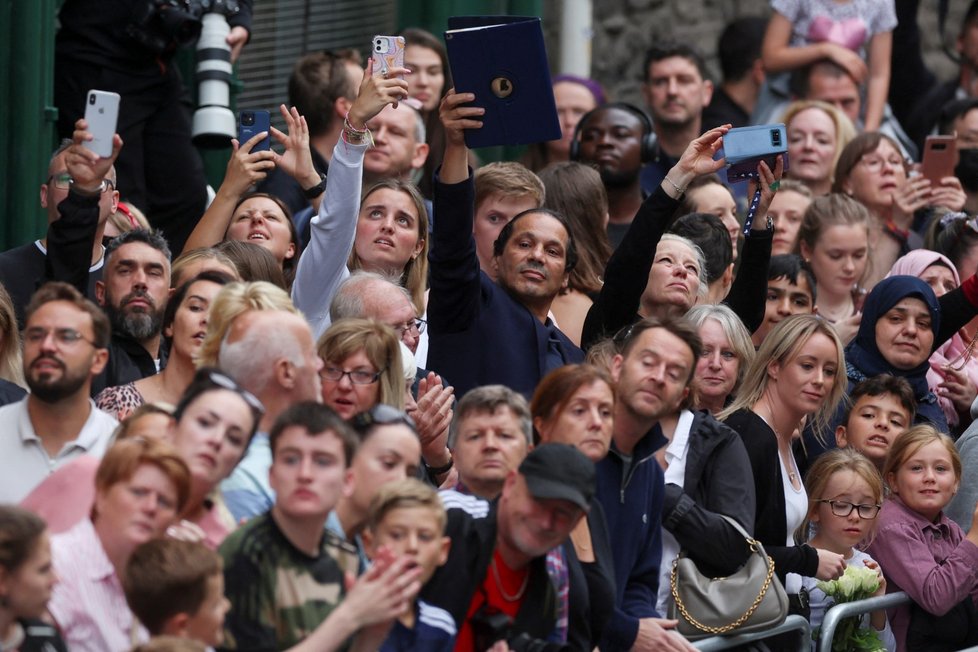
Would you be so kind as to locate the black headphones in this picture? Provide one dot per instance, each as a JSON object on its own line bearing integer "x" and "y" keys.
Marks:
{"x": 649, "y": 140}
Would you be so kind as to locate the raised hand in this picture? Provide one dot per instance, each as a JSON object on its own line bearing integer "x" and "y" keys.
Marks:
{"x": 88, "y": 169}
{"x": 375, "y": 93}
{"x": 297, "y": 158}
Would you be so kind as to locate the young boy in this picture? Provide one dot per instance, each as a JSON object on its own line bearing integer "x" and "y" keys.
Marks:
{"x": 176, "y": 588}
{"x": 407, "y": 517}
{"x": 882, "y": 408}
{"x": 502, "y": 191}
{"x": 790, "y": 291}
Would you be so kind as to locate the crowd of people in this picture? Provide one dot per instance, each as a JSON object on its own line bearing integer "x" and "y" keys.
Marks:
{"x": 376, "y": 396}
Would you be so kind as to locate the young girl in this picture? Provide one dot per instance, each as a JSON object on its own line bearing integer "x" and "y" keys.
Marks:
{"x": 834, "y": 240}
{"x": 923, "y": 552}
{"x": 857, "y": 35}
{"x": 845, "y": 494}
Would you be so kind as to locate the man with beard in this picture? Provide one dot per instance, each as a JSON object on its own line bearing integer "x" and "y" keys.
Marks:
{"x": 676, "y": 90}
{"x": 65, "y": 340}
{"x": 133, "y": 292}
{"x": 611, "y": 139}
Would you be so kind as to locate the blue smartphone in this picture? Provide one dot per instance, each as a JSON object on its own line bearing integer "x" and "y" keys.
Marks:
{"x": 745, "y": 147}
{"x": 252, "y": 122}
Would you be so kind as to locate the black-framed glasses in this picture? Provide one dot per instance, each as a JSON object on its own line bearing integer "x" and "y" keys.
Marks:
{"x": 228, "y": 383}
{"x": 382, "y": 415}
{"x": 357, "y": 376}
{"x": 843, "y": 508}
{"x": 417, "y": 324}
{"x": 66, "y": 337}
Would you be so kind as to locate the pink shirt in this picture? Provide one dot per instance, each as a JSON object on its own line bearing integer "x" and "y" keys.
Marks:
{"x": 910, "y": 549}
{"x": 88, "y": 603}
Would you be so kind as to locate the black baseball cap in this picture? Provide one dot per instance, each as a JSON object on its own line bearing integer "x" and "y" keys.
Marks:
{"x": 561, "y": 472}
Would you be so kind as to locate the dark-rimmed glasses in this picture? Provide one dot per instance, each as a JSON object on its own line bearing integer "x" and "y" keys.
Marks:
{"x": 357, "y": 376}
{"x": 843, "y": 508}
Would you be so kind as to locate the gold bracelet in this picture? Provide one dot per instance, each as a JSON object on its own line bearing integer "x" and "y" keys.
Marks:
{"x": 355, "y": 136}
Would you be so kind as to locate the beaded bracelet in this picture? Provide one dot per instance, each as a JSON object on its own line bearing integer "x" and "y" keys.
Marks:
{"x": 355, "y": 136}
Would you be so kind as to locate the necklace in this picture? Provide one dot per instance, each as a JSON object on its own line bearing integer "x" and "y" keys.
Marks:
{"x": 502, "y": 590}
{"x": 792, "y": 475}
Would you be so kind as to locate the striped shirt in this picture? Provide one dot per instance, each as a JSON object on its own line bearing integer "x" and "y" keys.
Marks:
{"x": 88, "y": 603}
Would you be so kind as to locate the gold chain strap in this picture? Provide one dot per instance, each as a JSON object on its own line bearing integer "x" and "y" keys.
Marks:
{"x": 722, "y": 629}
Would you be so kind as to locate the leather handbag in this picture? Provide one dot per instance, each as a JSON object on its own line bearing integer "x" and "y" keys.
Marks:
{"x": 750, "y": 600}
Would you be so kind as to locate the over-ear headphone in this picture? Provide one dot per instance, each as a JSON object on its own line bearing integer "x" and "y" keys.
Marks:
{"x": 648, "y": 145}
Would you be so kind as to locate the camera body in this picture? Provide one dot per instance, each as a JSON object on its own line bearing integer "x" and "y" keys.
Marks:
{"x": 745, "y": 147}
{"x": 161, "y": 26}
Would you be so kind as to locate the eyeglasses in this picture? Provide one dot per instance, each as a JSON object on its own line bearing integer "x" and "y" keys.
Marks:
{"x": 875, "y": 163}
{"x": 357, "y": 376}
{"x": 62, "y": 181}
{"x": 382, "y": 415}
{"x": 228, "y": 383}
{"x": 843, "y": 508}
{"x": 409, "y": 326}
{"x": 66, "y": 337}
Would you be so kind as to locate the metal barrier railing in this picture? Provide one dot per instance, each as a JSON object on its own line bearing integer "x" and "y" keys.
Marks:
{"x": 836, "y": 613}
{"x": 790, "y": 624}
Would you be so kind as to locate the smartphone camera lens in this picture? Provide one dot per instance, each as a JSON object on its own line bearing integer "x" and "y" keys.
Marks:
{"x": 91, "y": 99}
{"x": 776, "y": 137}
{"x": 247, "y": 118}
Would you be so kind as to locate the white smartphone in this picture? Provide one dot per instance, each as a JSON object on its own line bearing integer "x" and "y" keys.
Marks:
{"x": 102, "y": 116}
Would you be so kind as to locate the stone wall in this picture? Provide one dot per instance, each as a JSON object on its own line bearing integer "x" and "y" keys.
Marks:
{"x": 624, "y": 29}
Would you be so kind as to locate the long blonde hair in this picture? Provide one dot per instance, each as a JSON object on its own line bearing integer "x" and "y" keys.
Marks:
{"x": 782, "y": 344}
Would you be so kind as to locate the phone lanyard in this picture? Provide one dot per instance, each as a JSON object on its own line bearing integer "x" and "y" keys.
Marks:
{"x": 752, "y": 210}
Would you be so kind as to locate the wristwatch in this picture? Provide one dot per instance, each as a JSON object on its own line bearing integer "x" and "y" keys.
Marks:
{"x": 316, "y": 190}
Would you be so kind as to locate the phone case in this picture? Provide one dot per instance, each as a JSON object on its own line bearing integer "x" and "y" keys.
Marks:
{"x": 388, "y": 52}
{"x": 940, "y": 156}
{"x": 102, "y": 116}
{"x": 745, "y": 147}
{"x": 251, "y": 122}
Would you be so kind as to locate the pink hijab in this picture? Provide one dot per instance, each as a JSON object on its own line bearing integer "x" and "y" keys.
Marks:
{"x": 914, "y": 264}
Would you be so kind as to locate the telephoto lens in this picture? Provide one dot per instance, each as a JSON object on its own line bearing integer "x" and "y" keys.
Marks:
{"x": 214, "y": 125}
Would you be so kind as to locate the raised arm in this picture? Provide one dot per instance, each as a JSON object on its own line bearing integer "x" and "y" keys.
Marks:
{"x": 322, "y": 266}
{"x": 245, "y": 168}
{"x": 453, "y": 303}
{"x": 748, "y": 294}
{"x": 71, "y": 238}
{"x": 627, "y": 272}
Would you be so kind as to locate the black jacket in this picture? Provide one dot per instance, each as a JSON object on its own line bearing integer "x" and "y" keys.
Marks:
{"x": 718, "y": 480}
{"x": 472, "y": 528}
{"x": 128, "y": 362}
{"x": 627, "y": 273}
{"x": 770, "y": 520}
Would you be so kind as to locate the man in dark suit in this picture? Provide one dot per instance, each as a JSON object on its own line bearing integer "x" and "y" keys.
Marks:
{"x": 482, "y": 332}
